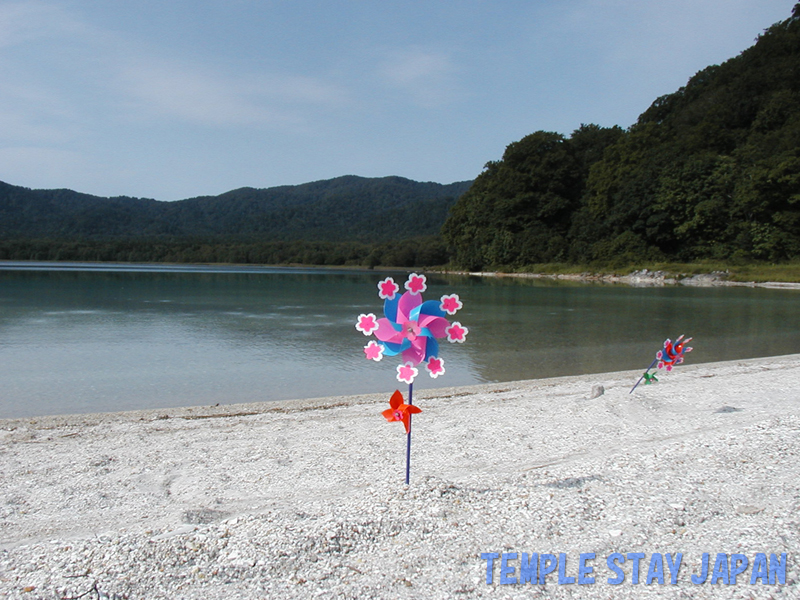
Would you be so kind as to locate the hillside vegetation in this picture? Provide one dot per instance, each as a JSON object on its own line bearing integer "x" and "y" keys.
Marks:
{"x": 711, "y": 171}
{"x": 345, "y": 208}
{"x": 347, "y": 220}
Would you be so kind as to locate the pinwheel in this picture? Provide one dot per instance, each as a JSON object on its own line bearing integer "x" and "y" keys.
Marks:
{"x": 669, "y": 357}
{"x": 410, "y": 329}
{"x": 672, "y": 355}
{"x": 400, "y": 411}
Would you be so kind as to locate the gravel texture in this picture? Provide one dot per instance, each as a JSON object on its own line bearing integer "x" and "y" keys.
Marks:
{"x": 307, "y": 499}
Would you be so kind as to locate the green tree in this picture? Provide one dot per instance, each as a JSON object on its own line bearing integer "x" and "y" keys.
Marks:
{"x": 520, "y": 209}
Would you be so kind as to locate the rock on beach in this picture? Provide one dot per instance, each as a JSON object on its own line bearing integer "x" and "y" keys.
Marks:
{"x": 306, "y": 499}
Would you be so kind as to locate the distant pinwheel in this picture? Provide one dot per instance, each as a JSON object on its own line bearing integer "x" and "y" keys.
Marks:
{"x": 669, "y": 357}
{"x": 673, "y": 352}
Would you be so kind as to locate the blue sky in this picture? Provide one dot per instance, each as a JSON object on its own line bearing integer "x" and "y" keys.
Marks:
{"x": 170, "y": 99}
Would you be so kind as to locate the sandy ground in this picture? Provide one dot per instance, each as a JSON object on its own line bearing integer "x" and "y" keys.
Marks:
{"x": 306, "y": 499}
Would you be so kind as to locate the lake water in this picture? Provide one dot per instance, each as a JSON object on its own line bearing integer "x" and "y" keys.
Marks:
{"x": 87, "y": 338}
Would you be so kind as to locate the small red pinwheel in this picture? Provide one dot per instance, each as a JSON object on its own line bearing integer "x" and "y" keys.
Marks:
{"x": 400, "y": 411}
{"x": 673, "y": 352}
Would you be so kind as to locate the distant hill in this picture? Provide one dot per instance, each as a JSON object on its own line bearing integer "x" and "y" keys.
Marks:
{"x": 346, "y": 208}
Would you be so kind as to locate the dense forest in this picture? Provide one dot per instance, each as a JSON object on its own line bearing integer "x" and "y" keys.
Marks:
{"x": 409, "y": 252}
{"x": 351, "y": 208}
{"x": 344, "y": 221}
{"x": 711, "y": 171}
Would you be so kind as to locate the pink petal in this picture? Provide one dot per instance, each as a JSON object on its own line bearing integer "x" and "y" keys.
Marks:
{"x": 387, "y": 333}
{"x": 416, "y": 353}
{"x": 436, "y": 325}
{"x": 406, "y": 304}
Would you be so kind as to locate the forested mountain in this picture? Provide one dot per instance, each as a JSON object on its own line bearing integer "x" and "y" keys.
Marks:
{"x": 710, "y": 171}
{"x": 343, "y": 209}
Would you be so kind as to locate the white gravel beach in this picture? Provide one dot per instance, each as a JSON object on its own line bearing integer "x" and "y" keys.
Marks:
{"x": 306, "y": 499}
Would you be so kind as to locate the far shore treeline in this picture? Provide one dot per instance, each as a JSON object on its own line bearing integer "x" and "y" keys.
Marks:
{"x": 710, "y": 172}
{"x": 343, "y": 221}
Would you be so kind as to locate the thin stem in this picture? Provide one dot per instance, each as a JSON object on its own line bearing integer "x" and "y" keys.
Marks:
{"x": 408, "y": 437}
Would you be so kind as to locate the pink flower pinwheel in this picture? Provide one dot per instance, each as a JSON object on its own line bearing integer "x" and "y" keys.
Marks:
{"x": 410, "y": 327}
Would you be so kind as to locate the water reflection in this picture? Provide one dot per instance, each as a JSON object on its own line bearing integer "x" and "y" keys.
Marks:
{"x": 113, "y": 340}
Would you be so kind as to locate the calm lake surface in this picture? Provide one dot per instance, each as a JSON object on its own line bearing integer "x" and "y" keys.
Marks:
{"x": 89, "y": 338}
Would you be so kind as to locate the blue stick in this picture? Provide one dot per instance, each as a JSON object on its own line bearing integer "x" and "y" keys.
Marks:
{"x": 408, "y": 442}
{"x": 643, "y": 374}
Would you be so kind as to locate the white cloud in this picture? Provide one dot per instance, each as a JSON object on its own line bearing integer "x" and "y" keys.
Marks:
{"x": 190, "y": 95}
{"x": 23, "y": 22}
{"x": 208, "y": 97}
{"x": 428, "y": 77}
{"x": 62, "y": 71}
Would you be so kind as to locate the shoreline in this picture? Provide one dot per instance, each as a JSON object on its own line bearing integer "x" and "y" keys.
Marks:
{"x": 641, "y": 278}
{"x": 307, "y": 498}
{"x": 300, "y": 405}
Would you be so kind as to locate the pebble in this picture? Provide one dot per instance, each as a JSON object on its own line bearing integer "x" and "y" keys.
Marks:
{"x": 597, "y": 391}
